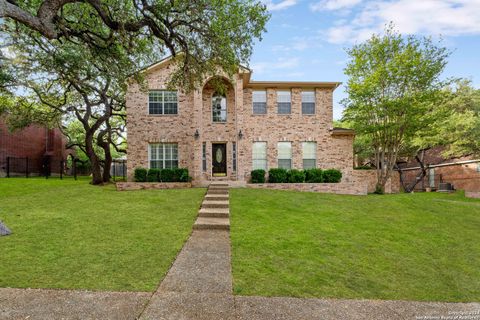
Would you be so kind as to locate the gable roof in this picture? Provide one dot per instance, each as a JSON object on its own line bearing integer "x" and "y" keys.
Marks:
{"x": 246, "y": 74}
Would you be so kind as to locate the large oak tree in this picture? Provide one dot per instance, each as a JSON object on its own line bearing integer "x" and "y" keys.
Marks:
{"x": 75, "y": 56}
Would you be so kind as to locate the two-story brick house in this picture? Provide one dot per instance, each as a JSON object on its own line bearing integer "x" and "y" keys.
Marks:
{"x": 254, "y": 125}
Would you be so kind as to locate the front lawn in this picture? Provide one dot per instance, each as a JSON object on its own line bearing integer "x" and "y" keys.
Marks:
{"x": 423, "y": 246}
{"x": 69, "y": 234}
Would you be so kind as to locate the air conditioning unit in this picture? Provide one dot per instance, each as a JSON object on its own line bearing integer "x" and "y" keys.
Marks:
{"x": 445, "y": 187}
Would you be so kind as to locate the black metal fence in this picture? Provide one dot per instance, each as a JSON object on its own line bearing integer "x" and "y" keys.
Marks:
{"x": 429, "y": 181}
{"x": 45, "y": 166}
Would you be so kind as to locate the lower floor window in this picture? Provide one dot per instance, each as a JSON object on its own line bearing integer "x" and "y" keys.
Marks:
{"x": 284, "y": 155}
{"x": 259, "y": 155}
{"x": 163, "y": 155}
{"x": 309, "y": 150}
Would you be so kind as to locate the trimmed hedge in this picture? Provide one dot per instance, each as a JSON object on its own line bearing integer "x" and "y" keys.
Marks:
{"x": 332, "y": 176}
{"x": 161, "y": 175}
{"x": 174, "y": 175}
{"x": 258, "y": 176}
{"x": 295, "y": 176}
{"x": 140, "y": 175}
{"x": 153, "y": 175}
{"x": 278, "y": 175}
{"x": 313, "y": 175}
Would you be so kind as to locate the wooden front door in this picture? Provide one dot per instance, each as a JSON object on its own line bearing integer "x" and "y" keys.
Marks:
{"x": 219, "y": 159}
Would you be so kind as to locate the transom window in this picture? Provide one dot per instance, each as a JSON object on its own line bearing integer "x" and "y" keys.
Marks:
{"x": 219, "y": 108}
{"x": 284, "y": 155}
{"x": 309, "y": 150}
{"x": 284, "y": 102}
{"x": 308, "y": 102}
{"x": 163, "y": 155}
{"x": 259, "y": 99}
{"x": 259, "y": 155}
{"x": 162, "y": 102}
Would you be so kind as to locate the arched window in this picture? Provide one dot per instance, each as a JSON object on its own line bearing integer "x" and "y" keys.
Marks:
{"x": 219, "y": 108}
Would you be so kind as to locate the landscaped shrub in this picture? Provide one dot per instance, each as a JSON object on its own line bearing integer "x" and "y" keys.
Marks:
{"x": 363, "y": 168}
{"x": 140, "y": 174}
{"x": 174, "y": 175}
{"x": 166, "y": 175}
{"x": 258, "y": 176}
{"x": 295, "y": 176}
{"x": 153, "y": 175}
{"x": 314, "y": 175}
{"x": 332, "y": 176}
{"x": 180, "y": 175}
{"x": 277, "y": 175}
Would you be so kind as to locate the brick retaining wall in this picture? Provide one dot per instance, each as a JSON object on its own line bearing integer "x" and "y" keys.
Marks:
{"x": 337, "y": 188}
{"x": 125, "y": 186}
{"x": 472, "y": 194}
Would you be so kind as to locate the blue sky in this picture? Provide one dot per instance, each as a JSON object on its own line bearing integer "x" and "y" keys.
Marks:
{"x": 306, "y": 40}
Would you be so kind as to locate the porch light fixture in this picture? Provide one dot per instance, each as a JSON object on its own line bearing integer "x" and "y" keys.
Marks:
{"x": 240, "y": 134}
{"x": 197, "y": 134}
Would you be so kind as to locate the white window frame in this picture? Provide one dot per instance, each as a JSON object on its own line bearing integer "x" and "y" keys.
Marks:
{"x": 163, "y": 160}
{"x": 284, "y": 97}
{"x": 314, "y": 101}
{"x": 162, "y": 101}
{"x": 256, "y": 158}
{"x": 309, "y": 158}
{"x": 223, "y": 96}
{"x": 281, "y": 157}
{"x": 264, "y": 93}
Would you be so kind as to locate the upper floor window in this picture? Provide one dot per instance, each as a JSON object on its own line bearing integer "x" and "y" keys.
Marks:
{"x": 259, "y": 99}
{"x": 308, "y": 102}
{"x": 219, "y": 108}
{"x": 284, "y": 102}
{"x": 163, "y": 155}
{"x": 284, "y": 155}
{"x": 162, "y": 102}
{"x": 309, "y": 150}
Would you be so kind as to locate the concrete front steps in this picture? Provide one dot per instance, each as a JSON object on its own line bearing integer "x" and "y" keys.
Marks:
{"x": 214, "y": 213}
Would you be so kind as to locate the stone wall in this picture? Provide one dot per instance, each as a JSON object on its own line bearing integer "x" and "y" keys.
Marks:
{"x": 127, "y": 186}
{"x": 472, "y": 194}
{"x": 337, "y": 188}
{"x": 370, "y": 178}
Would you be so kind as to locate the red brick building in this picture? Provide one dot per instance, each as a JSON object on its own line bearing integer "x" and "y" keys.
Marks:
{"x": 462, "y": 172}
{"x": 35, "y": 148}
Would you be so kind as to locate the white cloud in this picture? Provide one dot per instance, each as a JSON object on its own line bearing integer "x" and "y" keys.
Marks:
{"x": 279, "y": 64}
{"x": 279, "y": 5}
{"x": 329, "y": 5}
{"x": 429, "y": 17}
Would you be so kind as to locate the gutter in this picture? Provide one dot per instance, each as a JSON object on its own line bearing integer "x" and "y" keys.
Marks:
{"x": 442, "y": 165}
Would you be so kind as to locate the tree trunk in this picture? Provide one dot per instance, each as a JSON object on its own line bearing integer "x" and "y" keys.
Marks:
{"x": 94, "y": 161}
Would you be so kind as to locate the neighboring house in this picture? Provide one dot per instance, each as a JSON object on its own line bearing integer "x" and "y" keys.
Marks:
{"x": 34, "y": 150}
{"x": 462, "y": 172}
{"x": 254, "y": 125}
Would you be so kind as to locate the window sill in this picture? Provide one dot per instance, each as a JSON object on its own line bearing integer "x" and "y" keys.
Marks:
{"x": 162, "y": 115}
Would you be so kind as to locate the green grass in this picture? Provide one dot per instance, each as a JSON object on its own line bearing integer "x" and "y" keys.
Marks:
{"x": 423, "y": 246}
{"x": 69, "y": 234}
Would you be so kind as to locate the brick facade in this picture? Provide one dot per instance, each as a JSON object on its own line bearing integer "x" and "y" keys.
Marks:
{"x": 334, "y": 147}
{"x": 33, "y": 142}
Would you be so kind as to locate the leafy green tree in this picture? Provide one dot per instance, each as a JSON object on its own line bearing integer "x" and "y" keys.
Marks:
{"x": 76, "y": 56}
{"x": 458, "y": 124}
{"x": 393, "y": 81}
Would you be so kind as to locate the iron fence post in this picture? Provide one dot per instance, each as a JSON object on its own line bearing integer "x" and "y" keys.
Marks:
{"x": 8, "y": 167}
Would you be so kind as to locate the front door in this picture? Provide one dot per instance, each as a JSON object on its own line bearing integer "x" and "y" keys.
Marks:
{"x": 219, "y": 159}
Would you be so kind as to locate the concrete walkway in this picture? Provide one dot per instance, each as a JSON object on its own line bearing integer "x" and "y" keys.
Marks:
{"x": 199, "y": 286}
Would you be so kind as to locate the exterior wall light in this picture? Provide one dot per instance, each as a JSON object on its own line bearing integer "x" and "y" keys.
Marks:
{"x": 197, "y": 134}
{"x": 240, "y": 134}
